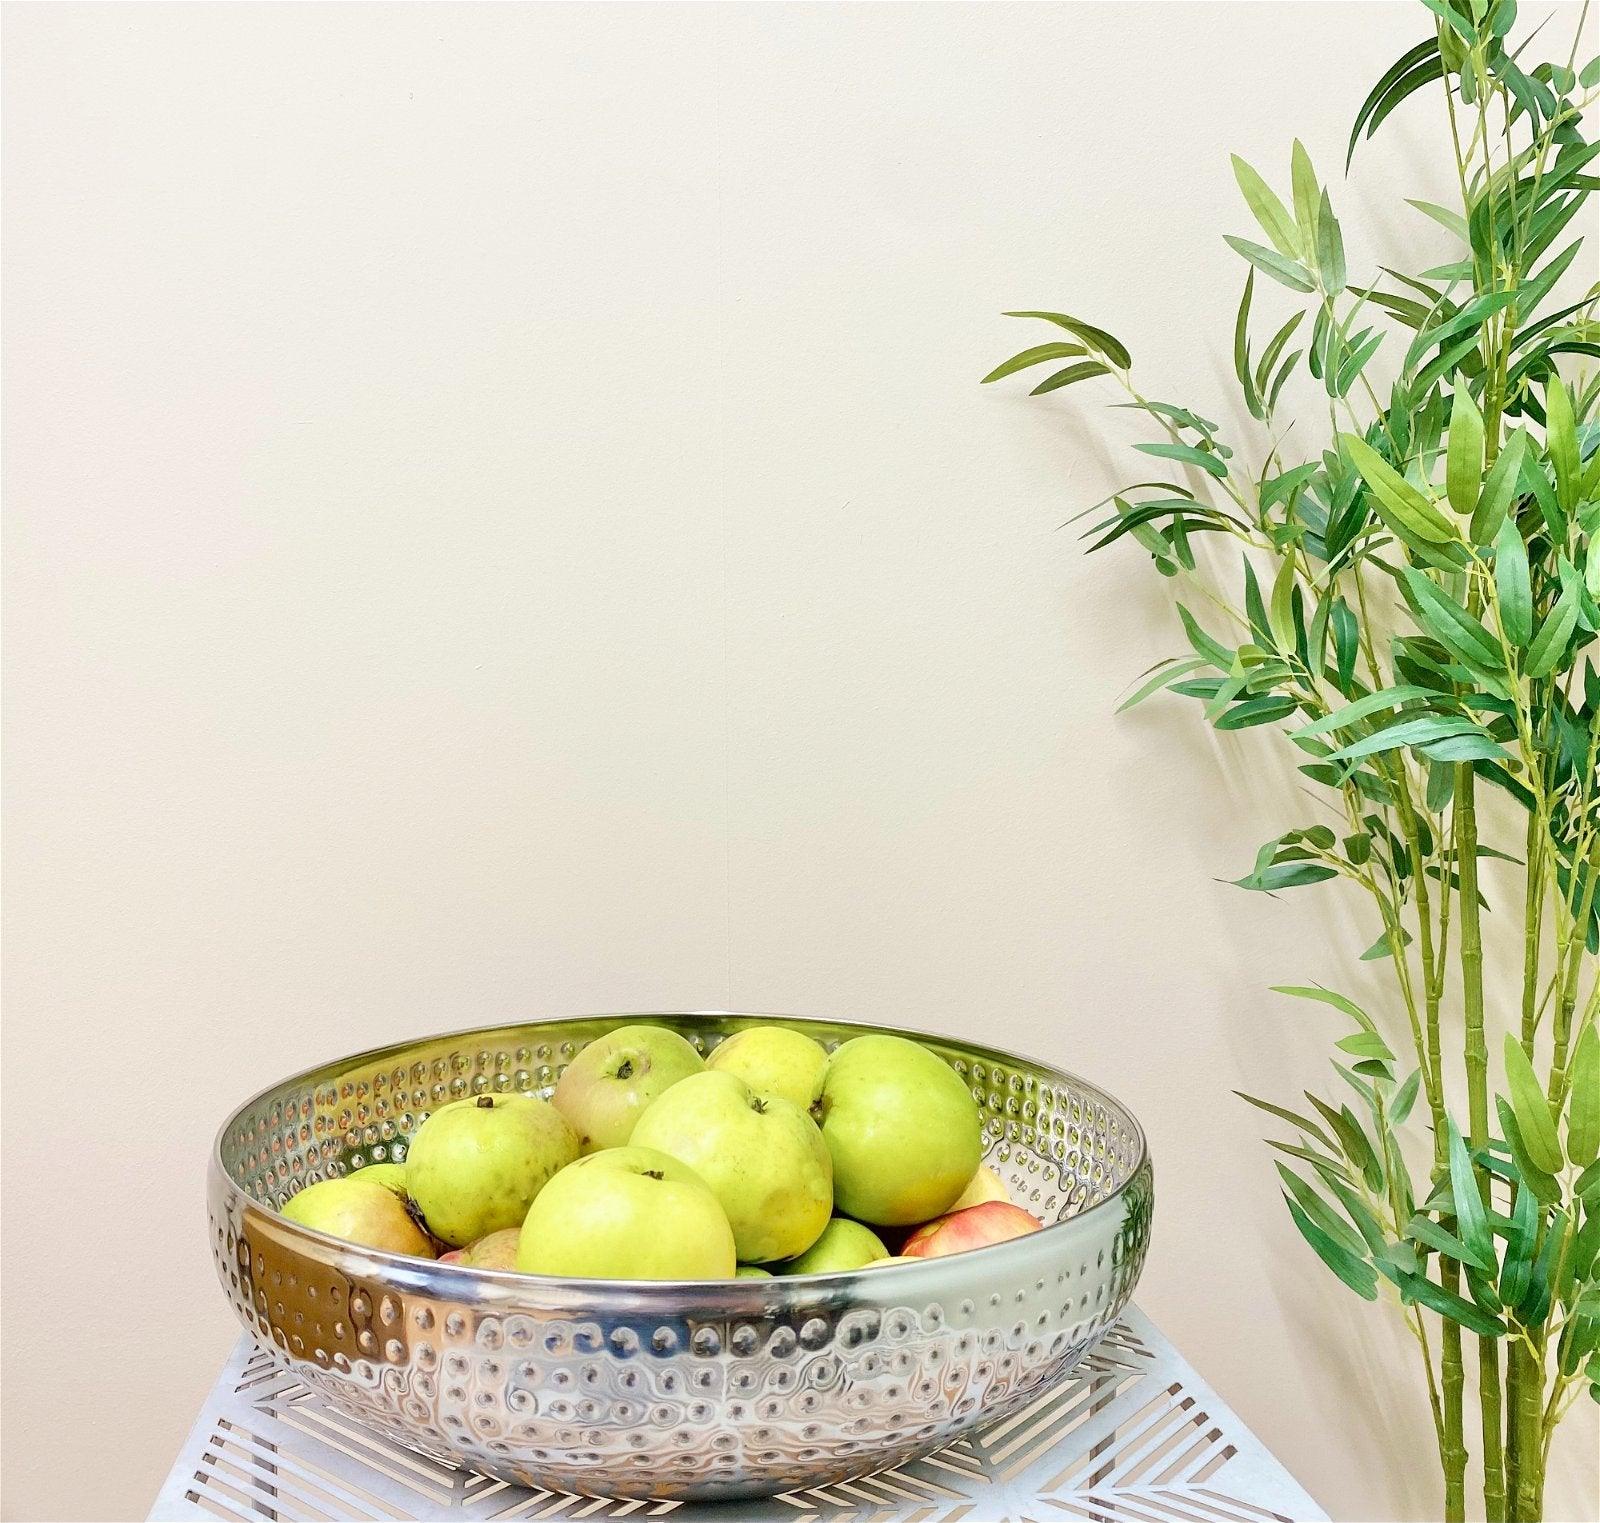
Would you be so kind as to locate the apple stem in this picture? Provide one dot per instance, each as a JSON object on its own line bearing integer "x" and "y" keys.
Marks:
{"x": 486, "y": 1102}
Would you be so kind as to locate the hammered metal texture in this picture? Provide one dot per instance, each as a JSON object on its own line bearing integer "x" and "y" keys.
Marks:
{"x": 673, "y": 1391}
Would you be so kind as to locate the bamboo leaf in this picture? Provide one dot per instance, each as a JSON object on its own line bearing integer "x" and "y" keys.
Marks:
{"x": 1534, "y": 291}
{"x": 1407, "y": 74}
{"x": 1425, "y": 729}
{"x": 1330, "y": 249}
{"x": 1470, "y": 1220}
{"x": 1517, "y": 1262}
{"x": 1294, "y": 1118}
{"x": 1355, "y": 362}
{"x": 1084, "y": 370}
{"x": 1241, "y": 348}
{"x": 1540, "y": 1181}
{"x": 1453, "y": 19}
{"x": 1561, "y": 442}
{"x": 1283, "y": 875}
{"x": 1327, "y": 997}
{"x": 1265, "y": 389}
{"x": 1550, "y": 644}
{"x": 1267, "y": 209}
{"x": 1404, "y": 1098}
{"x": 1384, "y": 946}
{"x": 1352, "y": 1140}
{"x": 1280, "y": 611}
{"x": 1356, "y": 1273}
{"x": 1254, "y": 711}
{"x": 1462, "y": 748}
{"x": 1454, "y": 221}
{"x": 1464, "y": 463}
{"x": 1534, "y": 1306}
{"x": 1287, "y": 272}
{"x": 1511, "y": 584}
{"x": 1362, "y": 1044}
{"x": 1415, "y": 1287}
{"x": 1320, "y": 1212}
{"x": 1329, "y": 1167}
{"x": 1035, "y": 356}
{"x": 1203, "y": 460}
{"x": 1534, "y": 1121}
{"x": 1583, "y": 1104}
{"x": 1498, "y": 490}
{"x": 1373, "y": 703}
{"x": 1171, "y": 673}
{"x": 1450, "y": 623}
{"x": 1587, "y": 1186}
{"x": 1422, "y": 1229}
{"x": 1284, "y": 372}
{"x": 1306, "y": 193}
{"x": 1096, "y": 338}
{"x": 1406, "y": 510}
{"x": 1204, "y": 645}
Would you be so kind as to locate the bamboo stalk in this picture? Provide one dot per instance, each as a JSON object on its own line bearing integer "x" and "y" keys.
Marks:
{"x": 1477, "y": 1063}
{"x": 1532, "y": 927}
{"x": 1513, "y": 1405}
{"x": 1451, "y": 1428}
{"x": 1528, "y": 1502}
{"x": 1453, "y": 1445}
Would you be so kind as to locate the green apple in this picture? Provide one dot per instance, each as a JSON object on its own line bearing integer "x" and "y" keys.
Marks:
{"x": 360, "y": 1211}
{"x": 604, "y": 1090}
{"x": 764, "y": 1160}
{"x": 752, "y": 1272}
{"x": 774, "y": 1061}
{"x": 475, "y": 1165}
{"x": 392, "y": 1176}
{"x": 903, "y": 1129}
{"x": 627, "y": 1214}
{"x": 497, "y": 1251}
{"x": 844, "y": 1244}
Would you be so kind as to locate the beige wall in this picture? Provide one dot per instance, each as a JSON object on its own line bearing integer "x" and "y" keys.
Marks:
{"x": 503, "y": 522}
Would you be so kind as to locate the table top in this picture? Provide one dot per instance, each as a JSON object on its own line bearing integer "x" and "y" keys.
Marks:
{"x": 1133, "y": 1434}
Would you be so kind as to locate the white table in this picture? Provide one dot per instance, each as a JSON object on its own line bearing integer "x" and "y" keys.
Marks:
{"x": 1134, "y": 1435}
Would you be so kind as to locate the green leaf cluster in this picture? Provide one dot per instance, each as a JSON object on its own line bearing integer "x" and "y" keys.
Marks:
{"x": 1403, "y": 593}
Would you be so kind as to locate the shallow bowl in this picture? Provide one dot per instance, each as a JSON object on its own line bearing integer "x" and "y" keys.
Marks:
{"x": 704, "y": 1389}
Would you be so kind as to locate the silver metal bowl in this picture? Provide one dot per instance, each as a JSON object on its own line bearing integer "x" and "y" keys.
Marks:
{"x": 703, "y": 1389}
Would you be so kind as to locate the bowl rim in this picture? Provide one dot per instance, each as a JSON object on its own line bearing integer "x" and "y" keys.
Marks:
{"x": 470, "y": 1284}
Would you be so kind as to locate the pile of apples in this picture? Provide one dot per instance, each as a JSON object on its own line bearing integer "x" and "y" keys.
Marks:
{"x": 649, "y": 1163}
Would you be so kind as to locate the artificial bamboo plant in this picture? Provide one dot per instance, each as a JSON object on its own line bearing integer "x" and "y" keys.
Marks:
{"x": 1407, "y": 593}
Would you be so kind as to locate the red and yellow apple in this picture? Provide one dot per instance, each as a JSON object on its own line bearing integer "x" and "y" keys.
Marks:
{"x": 995, "y": 1221}
{"x": 496, "y": 1251}
{"x": 360, "y": 1211}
